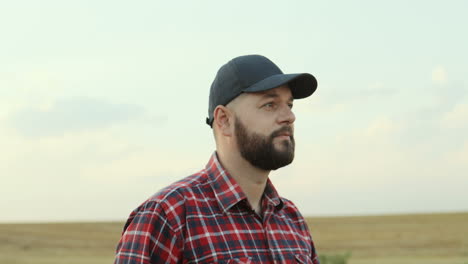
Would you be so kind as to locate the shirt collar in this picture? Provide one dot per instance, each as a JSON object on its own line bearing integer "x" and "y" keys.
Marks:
{"x": 229, "y": 193}
{"x": 272, "y": 197}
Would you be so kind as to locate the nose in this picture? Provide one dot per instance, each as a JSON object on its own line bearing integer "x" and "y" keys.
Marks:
{"x": 286, "y": 116}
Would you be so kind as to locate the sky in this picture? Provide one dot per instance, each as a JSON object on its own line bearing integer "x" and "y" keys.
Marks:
{"x": 103, "y": 103}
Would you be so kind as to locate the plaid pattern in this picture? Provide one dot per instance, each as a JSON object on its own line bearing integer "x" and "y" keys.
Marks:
{"x": 205, "y": 218}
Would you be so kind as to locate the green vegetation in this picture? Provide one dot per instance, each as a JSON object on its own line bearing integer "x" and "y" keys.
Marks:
{"x": 335, "y": 259}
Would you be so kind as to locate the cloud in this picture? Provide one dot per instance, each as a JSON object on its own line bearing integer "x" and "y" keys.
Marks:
{"x": 382, "y": 127}
{"x": 357, "y": 94}
{"x": 342, "y": 99}
{"x": 461, "y": 156}
{"x": 456, "y": 118}
{"x": 439, "y": 75}
{"x": 387, "y": 165}
{"x": 75, "y": 114}
{"x": 99, "y": 174}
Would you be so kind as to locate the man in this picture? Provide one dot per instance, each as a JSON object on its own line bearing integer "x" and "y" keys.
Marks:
{"x": 230, "y": 212}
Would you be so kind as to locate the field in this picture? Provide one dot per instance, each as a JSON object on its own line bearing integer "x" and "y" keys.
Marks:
{"x": 406, "y": 239}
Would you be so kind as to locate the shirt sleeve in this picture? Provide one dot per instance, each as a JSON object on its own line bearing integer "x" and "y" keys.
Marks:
{"x": 315, "y": 257}
{"x": 148, "y": 238}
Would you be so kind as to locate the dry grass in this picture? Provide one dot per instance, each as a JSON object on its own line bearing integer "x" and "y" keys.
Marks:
{"x": 91, "y": 243}
{"x": 424, "y": 238}
{"x": 411, "y": 239}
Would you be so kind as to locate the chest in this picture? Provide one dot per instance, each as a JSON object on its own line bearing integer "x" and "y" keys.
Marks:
{"x": 241, "y": 237}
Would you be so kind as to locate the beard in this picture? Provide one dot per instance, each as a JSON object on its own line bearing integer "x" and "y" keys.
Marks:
{"x": 260, "y": 151}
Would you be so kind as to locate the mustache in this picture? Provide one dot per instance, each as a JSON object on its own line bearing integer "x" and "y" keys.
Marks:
{"x": 282, "y": 130}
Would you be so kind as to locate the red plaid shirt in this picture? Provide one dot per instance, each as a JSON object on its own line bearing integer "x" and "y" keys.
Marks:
{"x": 205, "y": 218}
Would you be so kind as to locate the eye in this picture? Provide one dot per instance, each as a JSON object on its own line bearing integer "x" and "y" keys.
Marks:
{"x": 290, "y": 106}
{"x": 269, "y": 105}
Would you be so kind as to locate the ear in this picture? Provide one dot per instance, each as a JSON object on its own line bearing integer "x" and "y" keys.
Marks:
{"x": 223, "y": 119}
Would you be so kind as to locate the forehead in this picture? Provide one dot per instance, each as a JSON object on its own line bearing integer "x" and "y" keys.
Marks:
{"x": 244, "y": 100}
{"x": 281, "y": 92}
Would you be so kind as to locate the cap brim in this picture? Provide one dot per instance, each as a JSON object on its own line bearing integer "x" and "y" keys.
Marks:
{"x": 302, "y": 85}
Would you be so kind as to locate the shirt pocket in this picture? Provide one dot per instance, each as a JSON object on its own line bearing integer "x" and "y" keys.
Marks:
{"x": 304, "y": 259}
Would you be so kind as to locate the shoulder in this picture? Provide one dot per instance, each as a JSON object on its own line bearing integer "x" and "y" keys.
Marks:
{"x": 291, "y": 212}
{"x": 175, "y": 194}
{"x": 169, "y": 203}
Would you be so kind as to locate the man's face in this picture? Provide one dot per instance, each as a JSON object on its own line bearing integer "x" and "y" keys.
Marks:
{"x": 264, "y": 129}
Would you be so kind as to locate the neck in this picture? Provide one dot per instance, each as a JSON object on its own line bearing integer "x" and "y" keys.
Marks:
{"x": 252, "y": 180}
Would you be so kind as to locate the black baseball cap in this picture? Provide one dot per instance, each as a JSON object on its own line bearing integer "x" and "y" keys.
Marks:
{"x": 254, "y": 73}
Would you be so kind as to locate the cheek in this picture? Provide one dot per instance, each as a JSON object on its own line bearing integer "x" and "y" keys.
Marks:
{"x": 260, "y": 125}
{"x": 256, "y": 120}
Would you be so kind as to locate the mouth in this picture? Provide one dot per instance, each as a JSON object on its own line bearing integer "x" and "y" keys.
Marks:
{"x": 284, "y": 133}
{"x": 284, "y": 136}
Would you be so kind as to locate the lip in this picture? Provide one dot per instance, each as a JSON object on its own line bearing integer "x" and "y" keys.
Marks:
{"x": 284, "y": 136}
